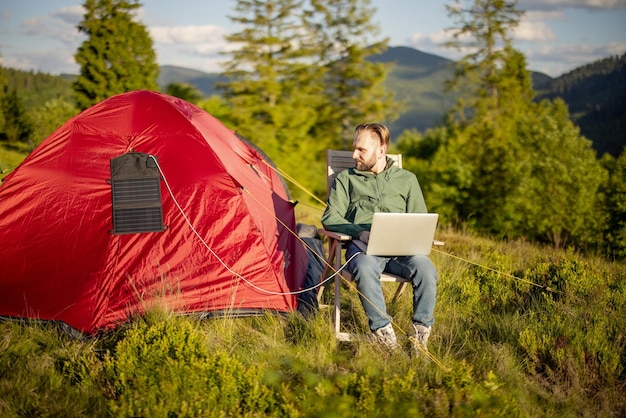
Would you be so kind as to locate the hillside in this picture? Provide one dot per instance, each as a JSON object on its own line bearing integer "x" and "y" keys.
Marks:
{"x": 418, "y": 79}
{"x": 596, "y": 96}
{"x": 37, "y": 88}
{"x": 538, "y": 333}
{"x": 595, "y": 92}
{"x": 205, "y": 82}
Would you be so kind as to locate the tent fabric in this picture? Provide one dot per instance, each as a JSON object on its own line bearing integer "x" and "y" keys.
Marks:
{"x": 228, "y": 243}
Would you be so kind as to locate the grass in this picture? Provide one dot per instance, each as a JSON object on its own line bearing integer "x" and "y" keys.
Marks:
{"x": 11, "y": 155}
{"x": 521, "y": 330}
{"x": 503, "y": 345}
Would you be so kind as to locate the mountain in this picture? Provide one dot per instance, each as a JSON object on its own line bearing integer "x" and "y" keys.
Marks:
{"x": 595, "y": 93}
{"x": 417, "y": 78}
{"x": 205, "y": 82}
{"x": 596, "y": 96}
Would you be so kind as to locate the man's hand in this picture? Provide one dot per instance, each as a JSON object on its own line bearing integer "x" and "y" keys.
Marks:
{"x": 364, "y": 236}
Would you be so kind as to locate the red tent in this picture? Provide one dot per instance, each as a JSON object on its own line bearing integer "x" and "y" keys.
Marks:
{"x": 145, "y": 199}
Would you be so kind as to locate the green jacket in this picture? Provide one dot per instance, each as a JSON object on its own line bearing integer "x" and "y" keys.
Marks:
{"x": 356, "y": 195}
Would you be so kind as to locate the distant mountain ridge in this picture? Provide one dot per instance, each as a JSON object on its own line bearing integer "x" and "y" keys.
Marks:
{"x": 595, "y": 93}
{"x": 417, "y": 78}
{"x": 596, "y": 96}
{"x": 205, "y": 82}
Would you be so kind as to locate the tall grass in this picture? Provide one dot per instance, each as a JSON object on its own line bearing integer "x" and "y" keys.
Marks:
{"x": 520, "y": 331}
{"x": 11, "y": 155}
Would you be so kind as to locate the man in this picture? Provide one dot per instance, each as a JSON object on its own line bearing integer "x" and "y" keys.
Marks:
{"x": 376, "y": 185}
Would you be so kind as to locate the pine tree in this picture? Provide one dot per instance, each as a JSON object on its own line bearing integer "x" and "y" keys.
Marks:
{"x": 615, "y": 207}
{"x": 184, "y": 91}
{"x": 300, "y": 81}
{"x": 354, "y": 87}
{"x": 494, "y": 89}
{"x": 483, "y": 27}
{"x": 117, "y": 56}
{"x": 17, "y": 126}
{"x": 262, "y": 73}
{"x": 271, "y": 87}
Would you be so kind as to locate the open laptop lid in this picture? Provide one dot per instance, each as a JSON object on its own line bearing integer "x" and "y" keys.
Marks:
{"x": 395, "y": 234}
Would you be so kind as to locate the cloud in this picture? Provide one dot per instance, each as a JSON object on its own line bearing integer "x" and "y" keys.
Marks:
{"x": 192, "y": 46}
{"x": 193, "y": 34}
{"x": 535, "y": 15}
{"x": 59, "y": 25}
{"x": 70, "y": 15}
{"x": 533, "y": 30}
{"x": 556, "y": 60}
{"x": 433, "y": 39}
{"x": 534, "y": 5}
{"x": 531, "y": 38}
{"x": 50, "y": 61}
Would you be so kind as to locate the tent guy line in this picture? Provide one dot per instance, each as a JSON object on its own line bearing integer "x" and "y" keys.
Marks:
{"x": 300, "y": 186}
{"x": 188, "y": 222}
{"x": 331, "y": 277}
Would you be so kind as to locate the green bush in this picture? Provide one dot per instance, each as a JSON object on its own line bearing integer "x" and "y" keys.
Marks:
{"x": 165, "y": 369}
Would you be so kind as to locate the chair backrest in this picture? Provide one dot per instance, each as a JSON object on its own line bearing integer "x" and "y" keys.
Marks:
{"x": 338, "y": 160}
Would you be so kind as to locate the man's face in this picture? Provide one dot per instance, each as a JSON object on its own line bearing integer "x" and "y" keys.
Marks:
{"x": 367, "y": 151}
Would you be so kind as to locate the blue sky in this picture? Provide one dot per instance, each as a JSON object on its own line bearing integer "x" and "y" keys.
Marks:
{"x": 555, "y": 35}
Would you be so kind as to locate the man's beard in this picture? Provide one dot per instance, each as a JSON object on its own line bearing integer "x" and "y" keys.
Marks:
{"x": 366, "y": 165}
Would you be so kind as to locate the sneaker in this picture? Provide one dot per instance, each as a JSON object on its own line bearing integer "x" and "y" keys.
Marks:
{"x": 386, "y": 336}
{"x": 420, "y": 337}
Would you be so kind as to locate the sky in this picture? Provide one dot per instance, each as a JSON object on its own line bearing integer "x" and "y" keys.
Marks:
{"x": 556, "y": 36}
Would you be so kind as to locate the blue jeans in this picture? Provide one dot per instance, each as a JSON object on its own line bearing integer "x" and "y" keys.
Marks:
{"x": 366, "y": 271}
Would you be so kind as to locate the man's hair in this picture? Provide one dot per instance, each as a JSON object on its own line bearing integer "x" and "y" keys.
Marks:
{"x": 378, "y": 129}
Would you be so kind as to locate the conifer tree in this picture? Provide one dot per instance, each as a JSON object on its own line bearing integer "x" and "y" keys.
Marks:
{"x": 484, "y": 28}
{"x": 3, "y": 90}
{"x": 615, "y": 208}
{"x": 17, "y": 126}
{"x": 354, "y": 87}
{"x": 493, "y": 89}
{"x": 184, "y": 91}
{"x": 117, "y": 55}
{"x": 263, "y": 71}
{"x": 299, "y": 79}
{"x": 271, "y": 87}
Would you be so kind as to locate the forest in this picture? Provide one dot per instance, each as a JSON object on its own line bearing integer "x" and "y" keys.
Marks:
{"x": 507, "y": 160}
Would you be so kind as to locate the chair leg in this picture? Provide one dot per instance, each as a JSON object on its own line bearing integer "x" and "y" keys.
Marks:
{"x": 399, "y": 290}
{"x": 337, "y": 304}
{"x": 337, "y": 298}
{"x": 330, "y": 265}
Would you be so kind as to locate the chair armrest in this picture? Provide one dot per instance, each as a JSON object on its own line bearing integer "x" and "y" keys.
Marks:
{"x": 335, "y": 235}
{"x": 438, "y": 243}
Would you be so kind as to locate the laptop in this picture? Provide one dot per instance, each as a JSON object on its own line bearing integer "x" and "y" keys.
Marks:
{"x": 396, "y": 234}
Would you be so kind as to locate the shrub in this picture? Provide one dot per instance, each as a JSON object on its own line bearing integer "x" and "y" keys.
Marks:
{"x": 165, "y": 369}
